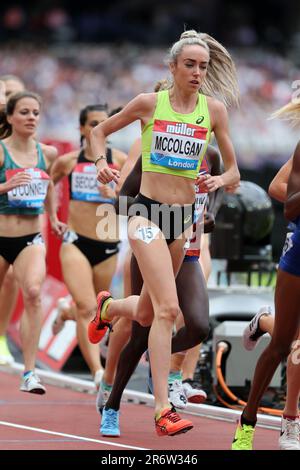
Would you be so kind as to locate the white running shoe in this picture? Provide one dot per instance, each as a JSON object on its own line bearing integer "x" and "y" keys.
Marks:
{"x": 252, "y": 333}
{"x": 102, "y": 397}
{"x": 290, "y": 434}
{"x": 98, "y": 377}
{"x": 5, "y": 356}
{"x": 63, "y": 303}
{"x": 32, "y": 384}
{"x": 177, "y": 395}
{"x": 193, "y": 394}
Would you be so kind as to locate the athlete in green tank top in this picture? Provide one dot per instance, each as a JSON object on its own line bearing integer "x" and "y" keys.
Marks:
{"x": 174, "y": 143}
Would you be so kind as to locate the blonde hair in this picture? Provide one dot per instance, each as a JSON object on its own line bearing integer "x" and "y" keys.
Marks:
{"x": 221, "y": 78}
{"x": 289, "y": 112}
{"x": 163, "y": 84}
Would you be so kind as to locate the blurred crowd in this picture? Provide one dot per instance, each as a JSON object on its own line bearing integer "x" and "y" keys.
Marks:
{"x": 70, "y": 77}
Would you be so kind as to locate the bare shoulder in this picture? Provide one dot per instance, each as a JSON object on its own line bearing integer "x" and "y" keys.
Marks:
{"x": 67, "y": 161}
{"x": 145, "y": 102}
{"x": 149, "y": 98}
{"x": 49, "y": 151}
{"x": 217, "y": 111}
{"x": 216, "y": 106}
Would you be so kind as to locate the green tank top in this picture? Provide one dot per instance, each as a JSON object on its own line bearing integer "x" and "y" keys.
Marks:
{"x": 26, "y": 199}
{"x": 174, "y": 143}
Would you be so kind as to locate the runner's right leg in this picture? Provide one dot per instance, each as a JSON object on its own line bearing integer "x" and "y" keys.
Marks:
{"x": 81, "y": 287}
{"x": 8, "y": 297}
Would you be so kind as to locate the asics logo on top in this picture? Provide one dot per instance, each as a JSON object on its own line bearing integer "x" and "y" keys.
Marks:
{"x": 200, "y": 119}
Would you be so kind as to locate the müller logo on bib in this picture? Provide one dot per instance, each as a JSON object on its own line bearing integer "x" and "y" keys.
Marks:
{"x": 180, "y": 128}
{"x": 32, "y": 194}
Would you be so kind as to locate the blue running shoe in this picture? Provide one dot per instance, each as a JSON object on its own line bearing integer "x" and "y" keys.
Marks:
{"x": 110, "y": 423}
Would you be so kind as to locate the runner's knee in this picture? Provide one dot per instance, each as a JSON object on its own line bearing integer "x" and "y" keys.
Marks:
{"x": 168, "y": 312}
{"x": 278, "y": 350}
{"x": 9, "y": 281}
{"x": 32, "y": 293}
{"x": 85, "y": 311}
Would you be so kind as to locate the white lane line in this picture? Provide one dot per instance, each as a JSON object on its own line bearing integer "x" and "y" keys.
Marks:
{"x": 79, "y": 438}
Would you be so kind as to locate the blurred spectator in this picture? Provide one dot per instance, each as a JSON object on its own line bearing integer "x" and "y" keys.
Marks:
{"x": 13, "y": 22}
{"x": 70, "y": 77}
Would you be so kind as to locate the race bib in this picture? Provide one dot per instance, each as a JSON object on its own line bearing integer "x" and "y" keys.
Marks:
{"x": 177, "y": 145}
{"x": 192, "y": 246}
{"x": 30, "y": 195}
{"x": 84, "y": 184}
{"x": 200, "y": 201}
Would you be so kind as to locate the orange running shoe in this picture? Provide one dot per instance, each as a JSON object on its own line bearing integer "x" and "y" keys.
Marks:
{"x": 97, "y": 327}
{"x": 170, "y": 423}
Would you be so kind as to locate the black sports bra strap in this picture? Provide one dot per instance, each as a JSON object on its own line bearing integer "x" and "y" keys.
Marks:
{"x": 81, "y": 158}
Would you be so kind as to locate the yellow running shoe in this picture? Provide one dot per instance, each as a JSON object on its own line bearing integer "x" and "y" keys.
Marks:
{"x": 243, "y": 438}
{"x": 5, "y": 356}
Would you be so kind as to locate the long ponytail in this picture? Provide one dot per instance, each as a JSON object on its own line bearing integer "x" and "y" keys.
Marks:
{"x": 289, "y": 112}
{"x": 221, "y": 78}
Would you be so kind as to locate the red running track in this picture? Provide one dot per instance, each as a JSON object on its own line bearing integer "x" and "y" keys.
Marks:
{"x": 65, "y": 419}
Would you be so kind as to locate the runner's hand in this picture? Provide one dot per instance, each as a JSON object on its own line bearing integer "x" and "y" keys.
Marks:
{"x": 19, "y": 179}
{"x": 106, "y": 174}
{"x": 58, "y": 227}
{"x": 209, "y": 183}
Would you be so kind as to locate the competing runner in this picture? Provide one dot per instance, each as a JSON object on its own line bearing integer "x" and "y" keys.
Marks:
{"x": 88, "y": 257}
{"x": 287, "y": 298}
{"x": 263, "y": 322}
{"x": 25, "y": 188}
{"x": 193, "y": 300}
{"x": 9, "y": 84}
{"x": 176, "y": 129}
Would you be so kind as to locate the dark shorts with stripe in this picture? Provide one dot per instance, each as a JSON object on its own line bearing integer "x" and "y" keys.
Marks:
{"x": 95, "y": 251}
{"x": 172, "y": 220}
{"x": 11, "y": 247}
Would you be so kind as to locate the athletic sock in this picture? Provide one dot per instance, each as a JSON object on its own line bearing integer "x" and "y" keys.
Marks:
{"x": 106, "y": 387}
{"x": 104, "y": 309}
{"x": 174, "y": 375}
{"x": 27, "y": 374}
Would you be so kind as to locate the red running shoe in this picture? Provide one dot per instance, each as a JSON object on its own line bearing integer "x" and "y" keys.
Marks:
{"x": 170, "y": 423}
{"x": 97, "y": 327}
